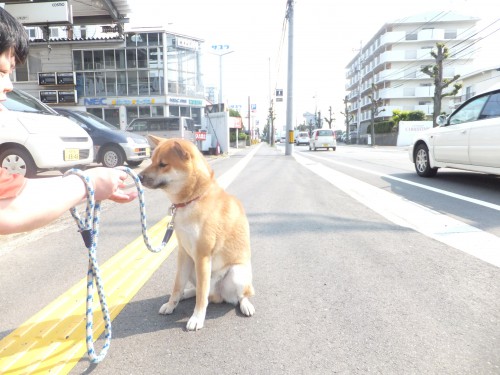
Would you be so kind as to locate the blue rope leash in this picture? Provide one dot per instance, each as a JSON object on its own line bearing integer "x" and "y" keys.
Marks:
{"x": 89, "y": 229}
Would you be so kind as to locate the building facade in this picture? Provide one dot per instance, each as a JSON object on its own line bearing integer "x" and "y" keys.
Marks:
{"x": 139, "y": 73}
{"x": 388, "y": 67}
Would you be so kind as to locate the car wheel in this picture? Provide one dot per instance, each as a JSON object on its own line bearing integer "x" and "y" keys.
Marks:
{"x": 422, "y": 164}
{"x": 134, "y": 163}
{"x": 334, "y": 148}
{"x": 314, "y": 147}
{"x": 16, "y": 160}
{"x": 112, "y": 157}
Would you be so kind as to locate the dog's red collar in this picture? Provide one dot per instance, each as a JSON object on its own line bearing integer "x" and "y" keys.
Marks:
{"x": 180, "y": 205}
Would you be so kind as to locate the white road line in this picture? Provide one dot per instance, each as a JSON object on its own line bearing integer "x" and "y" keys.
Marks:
{"x": 430, "y": 188}
{"x": 228, "y": 177}
{"x": 461, "y": 236}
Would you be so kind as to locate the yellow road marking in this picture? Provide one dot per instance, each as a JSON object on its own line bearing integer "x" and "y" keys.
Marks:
{"x": 53, "y": 340}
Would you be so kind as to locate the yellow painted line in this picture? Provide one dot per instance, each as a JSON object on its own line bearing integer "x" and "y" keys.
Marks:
{"x": 53, "y": 340}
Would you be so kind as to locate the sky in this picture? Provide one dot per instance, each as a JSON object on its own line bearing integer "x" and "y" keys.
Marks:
{"x": 326, "y": 37}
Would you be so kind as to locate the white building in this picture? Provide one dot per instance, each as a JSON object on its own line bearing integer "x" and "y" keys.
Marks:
{"x": 392, "y": 60}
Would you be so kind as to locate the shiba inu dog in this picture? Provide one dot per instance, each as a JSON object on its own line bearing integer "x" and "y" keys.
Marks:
{"x": 211, "y": 227}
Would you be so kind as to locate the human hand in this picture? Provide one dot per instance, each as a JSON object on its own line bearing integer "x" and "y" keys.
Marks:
{"x": 108, "y": 183}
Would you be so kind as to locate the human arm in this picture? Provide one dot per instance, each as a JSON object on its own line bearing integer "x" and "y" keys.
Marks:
{"x": 45, "y": 199}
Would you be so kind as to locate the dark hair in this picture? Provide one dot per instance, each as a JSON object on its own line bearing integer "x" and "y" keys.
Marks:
{"x": 13, "y": 35}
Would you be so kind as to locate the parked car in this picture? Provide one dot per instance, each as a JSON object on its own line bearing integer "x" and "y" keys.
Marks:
{"x": 112, "y": 146}
{"x": 322, "y": 138}
{"x": 34, "y": 138}
{"x": 468, "y": 139}
{"x": 164, "y": 127}
{"x": 302, "y": 138}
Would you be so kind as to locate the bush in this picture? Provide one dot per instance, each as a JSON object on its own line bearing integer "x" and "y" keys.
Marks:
{"x": 382, "y": 127}
{"x": 241, "y": 136}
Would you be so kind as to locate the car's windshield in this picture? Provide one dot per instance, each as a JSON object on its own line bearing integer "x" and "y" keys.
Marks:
{"x": 95, "y": 121}
{"x": 22, "y": 102}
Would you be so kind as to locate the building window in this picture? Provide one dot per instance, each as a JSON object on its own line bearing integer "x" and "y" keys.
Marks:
{"x": 450, "y": 34}
{"x": 109, "y": 59}
{"x": 411, "y": 35}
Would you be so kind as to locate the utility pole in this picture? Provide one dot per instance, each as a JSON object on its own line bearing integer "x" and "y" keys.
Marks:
{"x": 249, "y": 122}
{"x": 289, "y": 96}
{"x": 359, "y": 90}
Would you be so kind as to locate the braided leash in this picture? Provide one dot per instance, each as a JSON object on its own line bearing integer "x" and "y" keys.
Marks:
{"x": 89, "y": 229}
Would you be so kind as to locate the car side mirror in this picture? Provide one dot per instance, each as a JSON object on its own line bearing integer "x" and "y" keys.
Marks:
{"x": 441, "y": 120}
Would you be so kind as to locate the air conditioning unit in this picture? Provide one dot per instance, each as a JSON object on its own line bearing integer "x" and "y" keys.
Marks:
{"x": 52, "y": 12}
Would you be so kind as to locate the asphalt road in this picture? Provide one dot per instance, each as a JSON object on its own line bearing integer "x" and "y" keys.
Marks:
{"x": 343, "y": 285}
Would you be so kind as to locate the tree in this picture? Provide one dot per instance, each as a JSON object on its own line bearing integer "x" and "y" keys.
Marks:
{"x": 348, "y": 119}
{"x": 435, "y": 71}
{"x": 331, "y": 118}
{"x": 376, "y": 104}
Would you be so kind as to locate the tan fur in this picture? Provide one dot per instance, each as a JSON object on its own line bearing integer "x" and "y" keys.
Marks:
{"x": 212, "y": 231}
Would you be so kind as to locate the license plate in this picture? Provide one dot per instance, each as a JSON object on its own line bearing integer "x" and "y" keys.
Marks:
{"x": 71, "y": 154}
{"x": 326, "y": 145}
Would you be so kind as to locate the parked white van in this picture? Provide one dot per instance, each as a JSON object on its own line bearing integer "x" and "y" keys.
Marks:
{"x": 34, "y": 138}
{"x": 164, "y": 127}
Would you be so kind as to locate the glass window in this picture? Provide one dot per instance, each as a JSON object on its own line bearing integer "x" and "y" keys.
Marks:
{"x": 98, "y": 59}
{"x": 173, "y": 110}
{"x": 144, "y": 111}
{"x": 469, "y": 112}
{"x": 120, "y": 58}
{"x": 196, "y": 116}
{"x": 112, "y": 116}
{"x": 154, "y": 82}
{"x": 185, "y": 111}
{"x": 80, "y": 85}
{"x": 88, "y": 60}
{"x": 95, "y": 111}
{"x": 156, "y": 111}
{"x": 131, "y": 113}
{"x": 77, "y": 60}
{"x": 100, "y": 84}
{"x": 153, "y": 58}
{"x": 89, "y": 84}
{"x": 131, "y": 58}
{"x": 153, "y": 39}
{"x": 142, "y": 58}
{"x": 143, "y": 82}
{"x": 109, "y": 59}
{"x": 492, "y": 107}
{"x": 110, "y": 83}
{"x": 121, "y": 83}
{"x": 132, "y": 82}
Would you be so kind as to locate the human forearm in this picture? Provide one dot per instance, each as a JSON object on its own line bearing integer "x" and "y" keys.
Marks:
{"x": 40, "y": 202}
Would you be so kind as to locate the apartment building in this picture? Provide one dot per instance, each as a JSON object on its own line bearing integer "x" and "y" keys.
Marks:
{"x": 392, "y": 60}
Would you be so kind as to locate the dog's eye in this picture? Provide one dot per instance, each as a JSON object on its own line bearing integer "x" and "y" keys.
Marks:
{"x": 162, "y": 165}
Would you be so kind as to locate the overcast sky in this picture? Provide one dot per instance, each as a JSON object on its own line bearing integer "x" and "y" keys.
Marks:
{"x": 326, "y": 36}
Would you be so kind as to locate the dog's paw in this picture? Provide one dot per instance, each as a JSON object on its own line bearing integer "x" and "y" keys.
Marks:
{"x": 195, "y": 323}
{"x": 167, "y": 308}
{"x": 246, "y": 307}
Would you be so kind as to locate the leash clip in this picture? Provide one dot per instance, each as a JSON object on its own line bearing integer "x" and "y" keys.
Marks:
{"x": 87, "y": 237}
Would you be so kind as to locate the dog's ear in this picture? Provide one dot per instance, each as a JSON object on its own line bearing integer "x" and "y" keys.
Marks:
{"x": 156, "y": 140}
{"x": 180, "y": 151}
